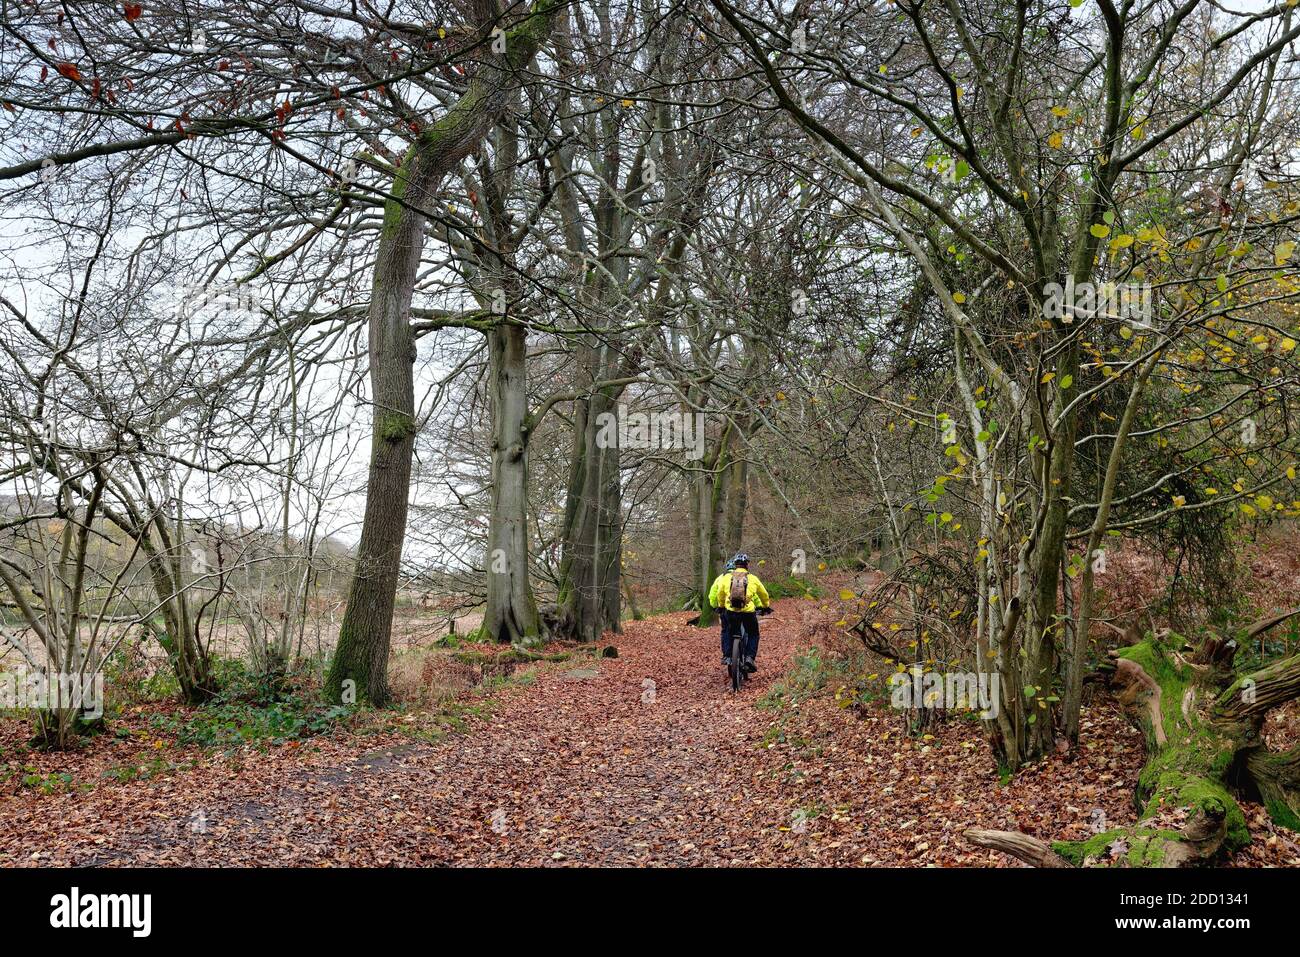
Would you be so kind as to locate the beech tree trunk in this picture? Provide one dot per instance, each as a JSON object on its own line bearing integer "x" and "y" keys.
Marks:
{"x": 511, "y": 615}
{"x": 360, "y": 667}
{"x": 587, "y": 561}
{"x": 734, "y": 480}
{"x": 609, "y": 552}
{"x": 707, "y": 507}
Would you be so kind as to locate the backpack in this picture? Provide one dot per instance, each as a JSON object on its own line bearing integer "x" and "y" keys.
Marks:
{"x": 738, "y": 597}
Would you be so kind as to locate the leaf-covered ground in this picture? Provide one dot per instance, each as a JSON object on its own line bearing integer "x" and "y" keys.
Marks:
{"x": 643, "y": 759}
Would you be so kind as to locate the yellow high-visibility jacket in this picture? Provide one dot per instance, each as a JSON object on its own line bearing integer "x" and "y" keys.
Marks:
{"x": 755, "y": 594}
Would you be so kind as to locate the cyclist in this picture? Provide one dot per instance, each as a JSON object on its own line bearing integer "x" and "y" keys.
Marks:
{"x": 740, "y": 597}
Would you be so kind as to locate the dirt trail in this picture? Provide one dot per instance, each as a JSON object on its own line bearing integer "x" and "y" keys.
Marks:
{"x": 641, "y": 760}
{"x": 644, "y": 757}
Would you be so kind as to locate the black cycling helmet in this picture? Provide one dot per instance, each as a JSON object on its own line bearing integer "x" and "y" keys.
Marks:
{"x": 741, "y": 560}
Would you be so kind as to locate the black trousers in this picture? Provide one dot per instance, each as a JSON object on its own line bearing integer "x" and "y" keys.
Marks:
{"x": 732, "y": 624}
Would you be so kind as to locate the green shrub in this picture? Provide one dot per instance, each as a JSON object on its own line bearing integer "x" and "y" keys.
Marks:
{"x": 809, "y": 675}
{"x": 32, "y": 778}
{"x": 226, "y": 724}
{"x": 131, "y": 676}
{"x": 146, "y": 769}
{"x": 792, "y": 587}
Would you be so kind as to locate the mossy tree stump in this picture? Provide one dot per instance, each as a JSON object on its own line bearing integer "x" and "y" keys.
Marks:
{"x": 1202, "y": 722}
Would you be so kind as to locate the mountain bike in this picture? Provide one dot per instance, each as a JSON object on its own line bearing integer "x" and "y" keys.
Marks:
{"x": 736, "y": 672}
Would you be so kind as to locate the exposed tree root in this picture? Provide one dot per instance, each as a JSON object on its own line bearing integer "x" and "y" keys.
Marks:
{"x": 1021, "y": 846}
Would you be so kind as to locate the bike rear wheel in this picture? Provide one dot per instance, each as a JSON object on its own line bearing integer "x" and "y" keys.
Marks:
{"x": 737, "y": 669}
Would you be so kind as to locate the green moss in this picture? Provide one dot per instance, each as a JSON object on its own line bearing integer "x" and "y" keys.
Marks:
{"x": 531, "y": 640}
{"x": 1282, "y": 813}
{"x": 1150, "y": 852}
{"x": 1173, "y": 679}
{"x": 394, "y": 426}
{"x": 522, "y": 41}
{"x": 350, "y": 664}
{"x": 1169, "y": 787}
{"x": 1189, "y": 771}
{"x": 393, "y": 208}
{"x": 516, "y": 654}
{"x": 1146, "y": 846}
{"x": 1144, "y": 653}
{"x": 1145, "y": 851}
{"x": 1097, "y": 846}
